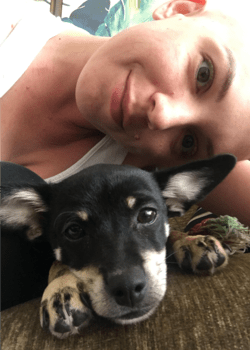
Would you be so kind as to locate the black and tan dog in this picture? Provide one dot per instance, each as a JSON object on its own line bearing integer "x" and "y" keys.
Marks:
{"x": 108, "y": 227}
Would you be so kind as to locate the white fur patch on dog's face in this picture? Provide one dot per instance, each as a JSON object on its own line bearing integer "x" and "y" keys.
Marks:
{"x": 58, "y": 254}
{"x": 167, "y": 229}
{"x": 105, "y": 305}
{"x": 155, "y": 268}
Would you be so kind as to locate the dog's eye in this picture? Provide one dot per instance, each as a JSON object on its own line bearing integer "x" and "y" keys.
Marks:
{"x": 74, "y": 232}
{"x": 147, "y": 216}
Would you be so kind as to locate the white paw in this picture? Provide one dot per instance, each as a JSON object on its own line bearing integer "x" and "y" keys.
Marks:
{"x": 62, "y": 309}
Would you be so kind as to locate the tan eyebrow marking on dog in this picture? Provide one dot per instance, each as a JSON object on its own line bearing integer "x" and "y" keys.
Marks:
{"x": 83, "y": 215}
{"x": 131, "y": 201}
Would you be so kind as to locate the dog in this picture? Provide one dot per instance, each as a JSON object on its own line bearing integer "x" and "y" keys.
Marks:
{"x": 108, "y": 227}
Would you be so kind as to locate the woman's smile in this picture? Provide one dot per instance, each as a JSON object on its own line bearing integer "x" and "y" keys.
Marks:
{"x": 116, "y": 104}
{"x": 126, "y": 103}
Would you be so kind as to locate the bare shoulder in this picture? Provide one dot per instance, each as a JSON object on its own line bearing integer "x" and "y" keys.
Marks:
{"x": 40, "y": 122}
{"x": 48, "y": 85}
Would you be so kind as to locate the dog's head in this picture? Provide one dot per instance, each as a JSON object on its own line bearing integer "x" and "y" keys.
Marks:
{"x": 109, "y": 224}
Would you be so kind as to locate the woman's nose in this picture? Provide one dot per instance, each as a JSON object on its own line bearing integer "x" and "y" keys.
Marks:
{"x": 167, "y": 111}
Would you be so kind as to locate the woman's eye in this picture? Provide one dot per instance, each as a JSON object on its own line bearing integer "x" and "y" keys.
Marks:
{"x": 204, "y": 75}
{"x": 189, "y": 145}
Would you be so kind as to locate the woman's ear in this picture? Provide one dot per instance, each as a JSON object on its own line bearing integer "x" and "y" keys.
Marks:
{"x": 174, "y": 7}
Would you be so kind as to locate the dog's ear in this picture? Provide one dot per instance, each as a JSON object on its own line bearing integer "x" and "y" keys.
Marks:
{"x": 22, "y": 209}
{"x": 186, "y": 185}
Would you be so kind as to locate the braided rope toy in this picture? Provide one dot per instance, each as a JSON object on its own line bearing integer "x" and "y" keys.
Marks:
{"x": 226, "y": 229}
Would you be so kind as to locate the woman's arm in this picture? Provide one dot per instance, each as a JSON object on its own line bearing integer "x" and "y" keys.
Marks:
{"x": 232, "y": 196}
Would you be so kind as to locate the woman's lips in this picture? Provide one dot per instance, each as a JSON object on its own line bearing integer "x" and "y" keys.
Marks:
{"x": 116, "y": 104}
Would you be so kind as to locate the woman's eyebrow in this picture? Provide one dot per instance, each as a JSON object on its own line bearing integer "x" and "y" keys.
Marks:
{"x": 227, "y": 82}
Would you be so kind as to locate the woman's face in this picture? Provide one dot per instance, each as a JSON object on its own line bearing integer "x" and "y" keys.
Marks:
{"x": 172, "y": 90}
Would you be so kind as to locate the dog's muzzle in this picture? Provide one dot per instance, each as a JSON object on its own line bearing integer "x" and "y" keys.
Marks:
{"x": 126, "y": 295}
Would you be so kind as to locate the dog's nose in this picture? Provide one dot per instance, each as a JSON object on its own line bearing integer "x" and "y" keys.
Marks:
{"x": 129, "y": 287}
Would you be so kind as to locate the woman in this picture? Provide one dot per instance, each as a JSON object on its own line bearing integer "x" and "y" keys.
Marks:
{"x": 165, "y": 92}
{"x": 183, "y": 83}
{"x": 177, "y": 69}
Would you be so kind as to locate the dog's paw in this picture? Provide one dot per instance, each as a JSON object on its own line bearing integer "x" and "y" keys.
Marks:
{"x": 201, "y": 254}
{"x": 62, "y": 309}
